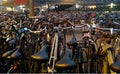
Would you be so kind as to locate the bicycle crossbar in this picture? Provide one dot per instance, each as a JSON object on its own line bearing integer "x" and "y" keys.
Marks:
{"x": 116, "y": 23}
{"x": 110, "y": 60}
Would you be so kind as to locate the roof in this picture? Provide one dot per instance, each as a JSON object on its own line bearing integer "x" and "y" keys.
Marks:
{"x": 41, "y": 2}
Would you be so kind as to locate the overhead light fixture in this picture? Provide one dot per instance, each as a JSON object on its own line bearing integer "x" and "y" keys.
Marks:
{"x": 92, "y": 6}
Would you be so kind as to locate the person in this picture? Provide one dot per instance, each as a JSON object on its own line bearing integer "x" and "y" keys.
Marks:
{"x": 101, "y": 23}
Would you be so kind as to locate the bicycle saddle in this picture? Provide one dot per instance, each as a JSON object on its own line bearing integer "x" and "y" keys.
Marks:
{"x": 42, "y": 54}
{"x": 15, "y": 54}
{"x": 12, "y": 41}
{"x": 8, "y": 53}
{"x": 72, "y": 42}
{"x": 66, "y": 62}
{"x": 116, "y": 66}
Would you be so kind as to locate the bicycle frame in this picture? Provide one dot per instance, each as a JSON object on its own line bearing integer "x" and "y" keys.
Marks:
{"x": 110, "y": 57}
{"x": 54, "y": 50}
{"x": 117, "y": 43}
{"x": 53, "y": 54}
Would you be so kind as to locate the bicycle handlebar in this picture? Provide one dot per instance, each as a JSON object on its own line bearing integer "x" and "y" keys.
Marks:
{"x": 108, "y": 29}
{"x": 35, "y": 32}
{"x": 71, "y": 27}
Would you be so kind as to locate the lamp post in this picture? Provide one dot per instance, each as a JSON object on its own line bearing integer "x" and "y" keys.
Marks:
{"x": 31, "y": 7}
{"x": 111, "y": 6}
{"x": 77, "y": 6}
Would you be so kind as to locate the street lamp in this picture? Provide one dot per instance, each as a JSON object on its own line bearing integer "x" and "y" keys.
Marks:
{"x": 77, "y": 6}
{"x": 111, "y": 5}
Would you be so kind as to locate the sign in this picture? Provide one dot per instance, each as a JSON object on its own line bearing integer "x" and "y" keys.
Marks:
{"x": 20, "y": 2}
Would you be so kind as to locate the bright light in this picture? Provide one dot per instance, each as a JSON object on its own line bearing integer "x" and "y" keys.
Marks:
{"x": 45, "y": 6}
{"x": 52, "y": 7}
{"x": 9, "y": 9}
{"x": 23, "y": 9}
{"x": 21, "y": 6}
{"x": 106, "y": 11}
{"x": 42, "y": 10}
{"x": 112, "y": 5}
{"x": 77, "y": 6}
{"x": 92, "y": 6}
{"x": 56, "y": 6}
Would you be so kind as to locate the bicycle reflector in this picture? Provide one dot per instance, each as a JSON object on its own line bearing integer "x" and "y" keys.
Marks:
{"x": 15, "y": 67}
{"x": 97, "y": 29}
